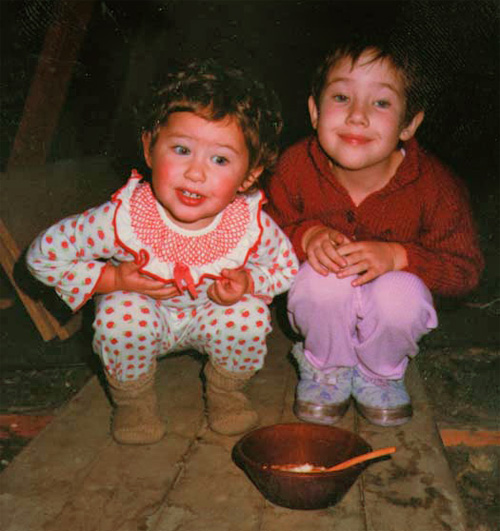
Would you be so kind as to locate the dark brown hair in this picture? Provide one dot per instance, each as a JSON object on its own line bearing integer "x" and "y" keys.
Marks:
{"x": 402, "y": 57}
{"x": 215, "y": 92}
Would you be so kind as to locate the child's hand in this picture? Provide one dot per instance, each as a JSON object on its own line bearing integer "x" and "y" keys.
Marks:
{"x": 231, "y": 287}
{"x": 369, "y": 260}
{"x": 321, "y": 246}
{"x": 127, "y": 277}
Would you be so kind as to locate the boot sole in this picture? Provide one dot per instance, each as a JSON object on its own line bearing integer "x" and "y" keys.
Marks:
{"x": 386, "y": 417}
{"x": 320, "y": 414}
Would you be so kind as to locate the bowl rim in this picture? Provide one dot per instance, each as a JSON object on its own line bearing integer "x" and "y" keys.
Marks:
{"x": 266, "y": 468}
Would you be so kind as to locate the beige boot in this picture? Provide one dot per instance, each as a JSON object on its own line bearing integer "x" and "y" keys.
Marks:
{"x": 229, "y": 410}
{"x": 135, "y": 417}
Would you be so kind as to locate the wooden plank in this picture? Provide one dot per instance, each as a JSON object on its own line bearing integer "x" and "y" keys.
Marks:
{"x": 9, "y": 254}
{"x": 474, "y": 438}
{"x": 74, "y": 476}
{"x": 25, "y": 426}
{"x": 414, "y": 489}
{"x": 46, "y": 324}
{"x": 48, "y": 89}
{"x": 35, "y": 487}
{"x": 40, "y": 116}
{"x": 62, "y": 188}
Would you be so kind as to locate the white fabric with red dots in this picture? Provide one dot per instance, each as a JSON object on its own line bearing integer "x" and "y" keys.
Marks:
{"x": 132, "y": 329}
{"x": 71, "y": 254}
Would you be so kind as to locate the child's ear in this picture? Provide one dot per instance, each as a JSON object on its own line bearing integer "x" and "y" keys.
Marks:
{"x": 250, "y": 179}
{"x": 411, "y": 128}
{"x": 146, "y": 146}
{"x": 313, "y": 111}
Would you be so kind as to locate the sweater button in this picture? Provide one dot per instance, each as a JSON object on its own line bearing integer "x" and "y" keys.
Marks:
{"x": 350, "y": 216}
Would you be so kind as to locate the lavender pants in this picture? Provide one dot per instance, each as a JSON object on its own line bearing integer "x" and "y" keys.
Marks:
{"x": 375, "y": 327}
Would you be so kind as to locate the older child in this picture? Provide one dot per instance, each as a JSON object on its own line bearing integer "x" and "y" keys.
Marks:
{"x": 378, "y": 224}
{"x": 186, "y": 261}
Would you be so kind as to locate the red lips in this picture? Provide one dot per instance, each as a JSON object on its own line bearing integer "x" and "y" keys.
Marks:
{"x": 189, "y": 200}
{"x": 355, "y": 140}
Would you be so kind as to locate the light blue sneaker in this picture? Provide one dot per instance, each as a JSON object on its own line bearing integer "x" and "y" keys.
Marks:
{"x": 382, "y": 402}
{"x": 321, "y": 398}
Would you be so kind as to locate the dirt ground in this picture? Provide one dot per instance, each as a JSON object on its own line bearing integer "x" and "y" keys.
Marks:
{"x": 464, "y": 387}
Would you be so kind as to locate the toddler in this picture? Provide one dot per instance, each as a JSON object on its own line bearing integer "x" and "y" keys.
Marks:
{"x": 185, "y": 260}
{"x": 378, "y": 224}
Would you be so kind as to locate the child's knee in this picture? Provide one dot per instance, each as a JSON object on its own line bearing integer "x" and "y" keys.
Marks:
{"x": 310, "y": 287}
{"x": 127, "y": 329}
{"x": 125, "y": 313}
{"x": 239, "y": 344}
{"x": 403, "y": 299}
{"x": 247, "y": 318}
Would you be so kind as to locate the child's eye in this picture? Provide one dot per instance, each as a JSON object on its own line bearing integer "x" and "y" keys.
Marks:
{"x": 382, "y": 104}
{"x": 340, "y": 98}
{"x": 181, "y": 150}
{"x": 221, "y": 161}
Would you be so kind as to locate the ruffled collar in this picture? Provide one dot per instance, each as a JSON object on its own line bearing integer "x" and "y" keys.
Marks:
{"x": 178, "y": 255}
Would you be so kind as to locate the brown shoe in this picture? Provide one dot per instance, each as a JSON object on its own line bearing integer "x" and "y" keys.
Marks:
{"x": 229, "y": 410}
{"x": 135, "y": 417}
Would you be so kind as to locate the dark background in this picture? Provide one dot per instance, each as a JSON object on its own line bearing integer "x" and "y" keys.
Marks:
{"x": 128, "y": 43}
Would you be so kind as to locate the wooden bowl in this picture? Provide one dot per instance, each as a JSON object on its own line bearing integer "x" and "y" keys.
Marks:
{"x": 284, "y": 444}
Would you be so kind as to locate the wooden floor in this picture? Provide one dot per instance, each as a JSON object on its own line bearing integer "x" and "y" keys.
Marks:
{"x": 74, "y": 477}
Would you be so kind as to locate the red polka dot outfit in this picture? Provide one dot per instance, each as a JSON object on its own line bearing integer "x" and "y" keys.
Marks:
{"x": 131, "y": 329}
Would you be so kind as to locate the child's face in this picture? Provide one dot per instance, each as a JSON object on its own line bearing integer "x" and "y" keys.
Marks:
{"x": 198, "y": 166}
{"x": 359, "y": 118}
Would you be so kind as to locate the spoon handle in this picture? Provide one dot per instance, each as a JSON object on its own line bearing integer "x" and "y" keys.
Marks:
{"x": 362, "y": 458}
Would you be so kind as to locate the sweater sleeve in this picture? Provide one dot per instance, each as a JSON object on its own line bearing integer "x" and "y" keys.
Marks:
{"x": 447, "y": 256}
{"x": 272, "y": 263}
{"x": 71, "y": 255}
{"x": 285, "y": 201}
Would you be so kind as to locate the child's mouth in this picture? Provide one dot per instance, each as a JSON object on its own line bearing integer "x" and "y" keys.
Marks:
{"x": 189, "y": 198}
{"x": 187, "y": 193}
{"x": 355, "y": 140}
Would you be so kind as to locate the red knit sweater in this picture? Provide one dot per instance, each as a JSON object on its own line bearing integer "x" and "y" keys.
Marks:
{"x": 423, "y": 207}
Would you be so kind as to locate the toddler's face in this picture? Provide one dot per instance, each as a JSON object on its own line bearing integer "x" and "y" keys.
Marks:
{"x": 359, "y": 118}
{"x": 198, "y": 166}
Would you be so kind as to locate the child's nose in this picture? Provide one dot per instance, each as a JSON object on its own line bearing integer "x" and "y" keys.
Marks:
{"x": 194, "y": 171}
{"x": 357, "y": 114}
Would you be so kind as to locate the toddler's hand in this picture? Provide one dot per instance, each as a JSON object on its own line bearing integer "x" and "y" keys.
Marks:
{"x": 321, "y": 246}
{"x": 231, "y": 287}
{"x": 369, "y": 260}
{"x": 127, "y": 277}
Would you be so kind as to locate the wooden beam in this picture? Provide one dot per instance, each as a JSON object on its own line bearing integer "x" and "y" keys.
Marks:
{"x": 469, "y": 437}
{"x": 48, "y": 89}
{"x": 46, "y": 324}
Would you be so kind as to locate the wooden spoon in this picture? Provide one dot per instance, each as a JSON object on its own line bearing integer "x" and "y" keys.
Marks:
{"x": 341, "y": 466}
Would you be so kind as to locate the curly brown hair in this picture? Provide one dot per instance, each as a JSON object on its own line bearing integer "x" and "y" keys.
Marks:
{"x": 214, "y": 92}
